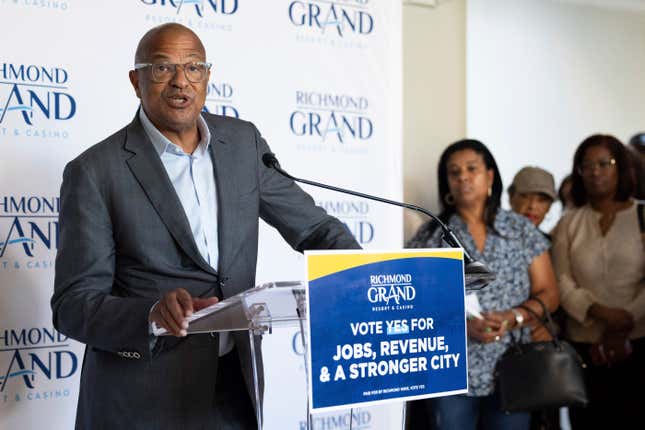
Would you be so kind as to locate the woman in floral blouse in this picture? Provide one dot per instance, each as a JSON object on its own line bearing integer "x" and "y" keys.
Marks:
{"x": 470, "y": 188}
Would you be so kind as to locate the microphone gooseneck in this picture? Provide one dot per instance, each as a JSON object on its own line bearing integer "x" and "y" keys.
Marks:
{"x": 477, "y": 274}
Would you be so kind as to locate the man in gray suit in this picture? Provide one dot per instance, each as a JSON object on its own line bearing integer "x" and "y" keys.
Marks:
{"x": 157, "y": 221}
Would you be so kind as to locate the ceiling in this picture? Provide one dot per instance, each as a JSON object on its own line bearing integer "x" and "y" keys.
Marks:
{"x": 635, "y": 5}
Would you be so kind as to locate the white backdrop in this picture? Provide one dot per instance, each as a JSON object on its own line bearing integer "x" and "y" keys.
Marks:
{"x": 320, "y": 79}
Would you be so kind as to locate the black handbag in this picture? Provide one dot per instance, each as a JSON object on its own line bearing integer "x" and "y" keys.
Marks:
{"x": 539, "y": 375}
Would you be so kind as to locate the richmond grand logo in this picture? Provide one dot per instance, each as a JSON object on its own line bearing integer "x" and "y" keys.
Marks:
{"x": 327, "y": 117}
{"x": 32, "y": 93}
{"x": 355, "y": 215}
{"x": 199, "y": 8}
{"x": 28, "y": 229}
{"x": 339, "y": 17}
{"x": 391, "y": 291}
{"x": 30, "y": 357}
{"x": 220, "y": 99}
{"x": 359, "y": 419}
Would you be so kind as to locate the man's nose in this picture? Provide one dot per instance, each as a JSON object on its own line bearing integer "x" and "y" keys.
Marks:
{"x": 179, "y": 78}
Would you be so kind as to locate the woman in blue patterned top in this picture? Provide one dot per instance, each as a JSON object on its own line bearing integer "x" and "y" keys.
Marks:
{"x": 470, "y": 188}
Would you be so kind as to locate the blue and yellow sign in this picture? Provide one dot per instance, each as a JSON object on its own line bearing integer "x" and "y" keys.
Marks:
{"x": 385, "y": 326}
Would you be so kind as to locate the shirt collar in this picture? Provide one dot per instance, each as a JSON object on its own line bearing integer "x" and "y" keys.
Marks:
{"x": 162, "y": 144}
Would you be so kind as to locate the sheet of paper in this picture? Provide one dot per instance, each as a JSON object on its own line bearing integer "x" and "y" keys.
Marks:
{"x": 160, "y": 331}
{"x": 473, "y": 308}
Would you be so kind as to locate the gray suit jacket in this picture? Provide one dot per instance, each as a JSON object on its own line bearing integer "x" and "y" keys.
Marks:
{"x": 125, "y": 240}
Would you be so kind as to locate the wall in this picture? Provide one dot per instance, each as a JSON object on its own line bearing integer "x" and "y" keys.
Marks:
{"x": 434, "y": 97}
{"x": 542, "y": 75}
{"x": 531, "y": 79}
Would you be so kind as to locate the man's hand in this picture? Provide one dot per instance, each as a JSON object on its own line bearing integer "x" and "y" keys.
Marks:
{"x": 173, "y": 309}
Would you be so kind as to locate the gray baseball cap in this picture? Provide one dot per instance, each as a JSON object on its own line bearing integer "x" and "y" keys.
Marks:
{"x": 534, "y": 180}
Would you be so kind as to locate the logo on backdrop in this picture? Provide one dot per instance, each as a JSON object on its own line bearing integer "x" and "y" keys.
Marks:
{"x": 30, "y": 360}
{"x": 333, "y": 23}
{"x": 355, "y": 215}
{"x": 220, "y": 99}
{"x": 197, "y": 7}
{"x": 197, "y": 14}
{"x": 297, "y": 346}
{"x": 40, "y": 4}
{"x": 359, "y": 419}
{"x": 34, "y": 99}
{"x": 28, "y": 231}
{"x": 339, "y": 18}
{"x": 341, "y": 120}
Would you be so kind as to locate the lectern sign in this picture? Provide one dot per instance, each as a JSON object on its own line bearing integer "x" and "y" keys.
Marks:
{"x": 385, "y": 326}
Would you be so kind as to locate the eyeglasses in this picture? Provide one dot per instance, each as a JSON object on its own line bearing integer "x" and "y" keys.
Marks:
{"x": 589, "y": 166}
{"x": 195, "y": 72}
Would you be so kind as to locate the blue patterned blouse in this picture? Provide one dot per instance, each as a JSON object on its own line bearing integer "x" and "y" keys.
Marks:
{"x": 508, "y": 251}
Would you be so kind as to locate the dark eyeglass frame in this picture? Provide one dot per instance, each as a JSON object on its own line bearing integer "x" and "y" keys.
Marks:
{"x": 173, "y": 70}
{"x": 586, "y": 168}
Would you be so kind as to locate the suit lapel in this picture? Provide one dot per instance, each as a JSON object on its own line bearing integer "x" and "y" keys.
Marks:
{"x": 227, "y": 196}
{"x": 147, "y": 167}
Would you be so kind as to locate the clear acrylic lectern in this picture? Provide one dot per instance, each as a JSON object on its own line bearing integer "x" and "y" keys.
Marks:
{"x": 257, "y": 311}
{"x": 261, "y": 309}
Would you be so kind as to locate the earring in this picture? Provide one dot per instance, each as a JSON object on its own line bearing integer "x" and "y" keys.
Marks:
{"x": 449, "y": 199}
{"x": 490, "y": 191}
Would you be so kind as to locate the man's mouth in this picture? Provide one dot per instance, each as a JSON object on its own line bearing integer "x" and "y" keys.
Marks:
{"x": 179, "y": 100}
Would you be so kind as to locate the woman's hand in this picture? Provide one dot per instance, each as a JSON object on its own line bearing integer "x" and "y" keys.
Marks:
{"x": 615, "y": 319}
{"x": 614, "y": 348}
{"x": 491, "y": 327}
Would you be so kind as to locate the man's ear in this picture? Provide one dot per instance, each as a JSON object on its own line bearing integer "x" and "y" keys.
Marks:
{"x": 134, "y": 80}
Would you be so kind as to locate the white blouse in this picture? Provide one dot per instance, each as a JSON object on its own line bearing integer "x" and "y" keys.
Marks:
{"x": 592, "y": 268}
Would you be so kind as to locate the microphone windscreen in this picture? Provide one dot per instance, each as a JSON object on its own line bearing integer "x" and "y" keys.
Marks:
{"x": 269, "y": 159}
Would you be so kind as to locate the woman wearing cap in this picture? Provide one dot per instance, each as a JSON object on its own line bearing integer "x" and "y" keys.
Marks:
{"x": 532, "y": 193}
{"x": 470, "y": 188}
{"x": 599, "y": 257}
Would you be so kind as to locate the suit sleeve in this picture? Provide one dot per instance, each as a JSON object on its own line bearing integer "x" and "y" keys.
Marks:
{"x": 285, "y": 206}
{"x": 83, "y": 305}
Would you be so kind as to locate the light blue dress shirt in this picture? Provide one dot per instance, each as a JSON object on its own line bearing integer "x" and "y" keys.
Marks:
{"x": 193, "y": 178}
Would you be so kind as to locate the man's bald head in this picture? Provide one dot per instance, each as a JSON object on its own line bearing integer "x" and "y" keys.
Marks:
{"x": 148, "y": 42}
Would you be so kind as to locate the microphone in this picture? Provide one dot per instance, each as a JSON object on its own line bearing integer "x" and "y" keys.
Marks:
{"x": 477, "y": 274}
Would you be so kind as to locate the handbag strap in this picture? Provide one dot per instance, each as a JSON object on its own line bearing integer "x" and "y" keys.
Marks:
{"x": 641, "y": 220}
{"x": 546, "y": 320}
